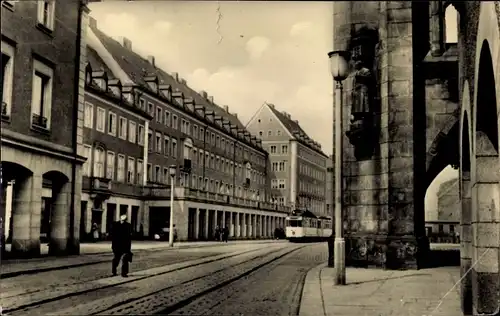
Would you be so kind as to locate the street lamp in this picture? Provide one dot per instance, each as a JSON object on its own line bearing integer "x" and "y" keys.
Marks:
{"x": 340, "y": 70}
{"x": 172, "y": 170}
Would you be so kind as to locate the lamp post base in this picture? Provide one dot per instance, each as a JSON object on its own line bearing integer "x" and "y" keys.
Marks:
{"x": 339, "y": 261}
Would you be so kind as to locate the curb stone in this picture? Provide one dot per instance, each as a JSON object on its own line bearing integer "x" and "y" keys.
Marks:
{"x": 311, "y": 303}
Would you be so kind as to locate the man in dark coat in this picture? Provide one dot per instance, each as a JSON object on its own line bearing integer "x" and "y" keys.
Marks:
{"x": 122, "y": 244}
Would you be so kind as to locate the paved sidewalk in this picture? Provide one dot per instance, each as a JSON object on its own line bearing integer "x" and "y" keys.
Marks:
{"x": 91, "y": 253}
{"x": 372, "y": 292}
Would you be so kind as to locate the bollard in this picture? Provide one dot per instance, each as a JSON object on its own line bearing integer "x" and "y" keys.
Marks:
{"x": 330, "y": 251}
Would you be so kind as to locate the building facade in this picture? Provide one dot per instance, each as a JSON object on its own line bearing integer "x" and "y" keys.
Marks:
{"x": 221, "y": 169}
{"x": 297, "y": 164}
{"x": 42, "y": 117}
{"x": 330, "y": 187}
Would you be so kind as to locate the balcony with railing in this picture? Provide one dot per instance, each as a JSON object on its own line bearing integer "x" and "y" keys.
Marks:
{"x": 162, "y": 192}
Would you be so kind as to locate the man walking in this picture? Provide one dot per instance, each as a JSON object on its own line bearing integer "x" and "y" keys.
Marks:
{"x": 122, "y": 244}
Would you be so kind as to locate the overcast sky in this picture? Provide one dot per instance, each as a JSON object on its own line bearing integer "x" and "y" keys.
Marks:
{"x": 244, "y": 54}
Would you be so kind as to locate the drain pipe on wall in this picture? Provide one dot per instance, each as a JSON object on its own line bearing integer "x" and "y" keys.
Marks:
{"x": 73, "y": 248}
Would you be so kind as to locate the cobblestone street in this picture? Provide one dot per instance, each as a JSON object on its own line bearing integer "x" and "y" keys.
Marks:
{"x": 255, "y": 279}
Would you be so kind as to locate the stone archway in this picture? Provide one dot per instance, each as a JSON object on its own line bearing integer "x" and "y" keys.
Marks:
{"x": 485, "y": 181}
{"x": 59, "y": 211}
{"x": 20, "y": 202}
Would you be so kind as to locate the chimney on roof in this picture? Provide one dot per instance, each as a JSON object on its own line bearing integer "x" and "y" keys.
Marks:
{"x": 226, "y": 108}
{"x": 235, "y": 115}
{"x": 203, "y": 94}
{"x": 151, "y": 60}
{"x": 126, "y": 43}
{"x": 176, "y": 76}
{"x": 211, "y": 99}
{"x": 92, "y": 22}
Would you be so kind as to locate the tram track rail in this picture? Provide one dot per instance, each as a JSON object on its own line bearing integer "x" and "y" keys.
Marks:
{"x": 168, "y": 300}
{"x": 167, "y": 269}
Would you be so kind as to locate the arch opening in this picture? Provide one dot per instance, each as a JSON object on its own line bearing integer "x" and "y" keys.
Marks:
{"x": 486, "y": 193}
{"x": 451, "y": 25}
{"x": 486, "y": 112}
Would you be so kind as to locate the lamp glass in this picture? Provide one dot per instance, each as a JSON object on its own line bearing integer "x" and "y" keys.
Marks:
{"x": 172, "y": 170}
{"x": 338, "y": 65}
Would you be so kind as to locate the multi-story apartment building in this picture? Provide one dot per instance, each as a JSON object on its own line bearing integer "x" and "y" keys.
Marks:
{"x": 41, "y": 133}
{"x": 221, "y": 169}
{"x": 298, "y": 166}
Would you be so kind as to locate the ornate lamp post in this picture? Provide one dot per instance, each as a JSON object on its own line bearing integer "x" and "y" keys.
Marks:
{"x": 340, "y": 69}
{"x": 172, "y": 170}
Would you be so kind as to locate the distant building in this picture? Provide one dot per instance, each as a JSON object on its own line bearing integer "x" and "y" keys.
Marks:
{"x": 330, "y": 186}
{"x": 298, "y": 165}
{"x": 445, "y": 228}
{"x": 449, "y": 201}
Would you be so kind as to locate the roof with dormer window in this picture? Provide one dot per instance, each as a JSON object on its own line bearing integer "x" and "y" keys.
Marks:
{"x": 138, "y": 68}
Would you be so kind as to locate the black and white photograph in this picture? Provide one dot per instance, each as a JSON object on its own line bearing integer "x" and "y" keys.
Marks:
{"x": 267, "y": 158}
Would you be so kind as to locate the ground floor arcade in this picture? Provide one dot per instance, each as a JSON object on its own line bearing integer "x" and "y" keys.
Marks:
{"x": 192, "y": 220}
{"x": 38, "y": 199}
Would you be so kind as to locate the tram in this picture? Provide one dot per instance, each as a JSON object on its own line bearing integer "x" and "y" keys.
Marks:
{"x": 305, "y": 226}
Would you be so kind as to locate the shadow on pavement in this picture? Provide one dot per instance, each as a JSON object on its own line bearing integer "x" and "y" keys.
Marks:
{"x": 442, "y": 258}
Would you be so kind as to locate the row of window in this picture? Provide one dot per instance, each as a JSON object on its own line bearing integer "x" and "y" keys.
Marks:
{"x": 273, "y": 149}
{"x": 311, "y": 156}
{"x": 279, "y": 166}
{"x": 317, "y": 207}
{"x": 312, "y": 172}
{"x": 308, "y": 187}
{"x": 270, "y": 133}
{"x": 167, "y": 146}
{"x": 116, "y": 167}
{"x": 159, "y": 174}
{"x": 278, "y": 183}
{"x": 162, "y": 116}
{"x": 280, "y": 200}
{"x": 122, "y": 127}
{"x": 41, "y": 89}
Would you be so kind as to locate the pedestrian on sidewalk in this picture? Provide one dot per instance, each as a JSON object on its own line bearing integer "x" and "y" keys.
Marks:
{"x": 95, "y": 232}
{"x": 122, "y": 245}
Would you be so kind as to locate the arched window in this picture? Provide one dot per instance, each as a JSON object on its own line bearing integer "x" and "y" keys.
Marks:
{"x": 451, "y": 25}
{"x": 99, "y": 162}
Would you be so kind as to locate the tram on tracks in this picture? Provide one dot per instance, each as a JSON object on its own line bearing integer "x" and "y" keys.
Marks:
{"x": 305, "y": 226}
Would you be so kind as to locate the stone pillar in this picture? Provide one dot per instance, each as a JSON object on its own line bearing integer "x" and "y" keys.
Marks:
{"x": 485, "y": 227}
{"x": 129, "y": 215}
{"x": 74, "y": 240}
{"x": 118, "y": 212}
{"x": 466, "y": 244}
{"x": 196, "y": 224}
{"x": 27, "y": 212}
{"x": 104, "y": 218}
{"x": 231, "y": 225}
{"x": 223, "y": 221}
{"x": 59, "y": 223}
{"x": 88, "y": 217}
{"x": 254, "y": 226}
{"x": 205, "y": 224}
{"x": 243, "y": 225}
{"x": 237, "y": 225}
{"x": 4, "y": 232}
{"x": 265, "y": 231}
